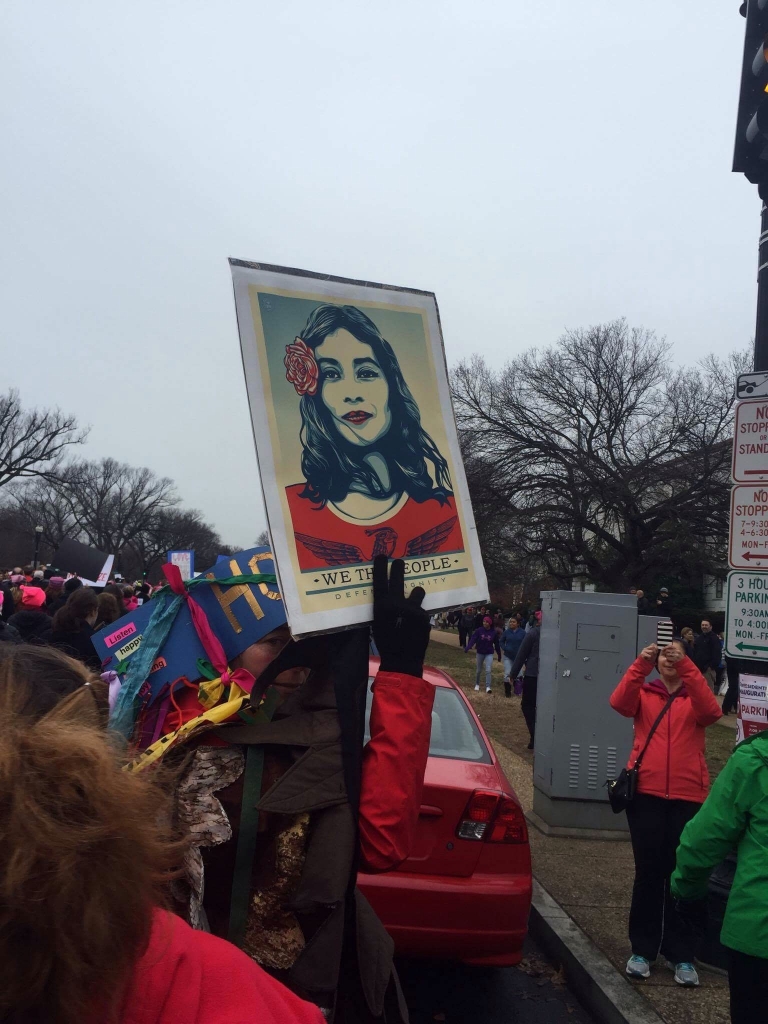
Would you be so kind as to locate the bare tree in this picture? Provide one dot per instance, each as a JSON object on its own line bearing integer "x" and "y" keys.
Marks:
{"x": 114, "y": 503}
{"x": 596, "y": 457}
{"x": 169, "y": 530}
{"x": 33, "y": 441}
{"x": 262, "y": 541}
{"x": 39, "y": 503}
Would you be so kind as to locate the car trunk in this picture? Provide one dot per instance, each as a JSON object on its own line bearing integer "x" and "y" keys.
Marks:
{"x": 448, "y": 786}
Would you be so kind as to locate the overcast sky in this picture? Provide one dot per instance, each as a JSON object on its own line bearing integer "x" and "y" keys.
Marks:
{"x": 538, "y": 165}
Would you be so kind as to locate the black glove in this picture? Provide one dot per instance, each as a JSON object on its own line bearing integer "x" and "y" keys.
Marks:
{"x": 400, "y": 626}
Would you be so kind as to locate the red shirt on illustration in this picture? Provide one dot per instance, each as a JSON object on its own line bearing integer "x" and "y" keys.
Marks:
{"x": 416, "y": 530}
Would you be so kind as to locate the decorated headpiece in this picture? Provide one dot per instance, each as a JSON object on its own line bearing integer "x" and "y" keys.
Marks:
{"x": 189, "y": 633}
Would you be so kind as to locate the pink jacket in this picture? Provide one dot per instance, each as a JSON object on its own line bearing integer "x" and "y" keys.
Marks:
{"x": 673, "y": 766}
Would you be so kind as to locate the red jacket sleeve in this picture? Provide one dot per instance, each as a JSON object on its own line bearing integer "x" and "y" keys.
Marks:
{"x": 626, "y": 697}
{"x": 394, "y": 763}
{"x": 195, "y": 978}
{"x": 705, "y": 707}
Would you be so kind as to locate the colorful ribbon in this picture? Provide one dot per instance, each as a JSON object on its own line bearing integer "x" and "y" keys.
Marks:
{"x": 169, "y": 600}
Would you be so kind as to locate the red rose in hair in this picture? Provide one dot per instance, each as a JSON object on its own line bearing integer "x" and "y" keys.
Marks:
{"x": 302, "y": 368}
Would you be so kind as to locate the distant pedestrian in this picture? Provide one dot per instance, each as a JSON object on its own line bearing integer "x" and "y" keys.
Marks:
{"x": 30, "y": 619}
{"x": 643, "y": 604}
{"x": 670, "y": 715}
{"x": 466, "y": 625}
{"x": 130, "y": 600}
{"x": 70, "y": 586}
{"x": 707, "y": 653}
{"x": 688, "y": 637}
{"x": 482, "y": 611}
{"x": 731, "y": 699}
{"x": 54, "y": 594}
{"x": 73, "y": 627}
{"x": 510, "y": 642}
{"x": 528, "y": 656}
{"x": 663, "y": 604}
{"x": 485, "y": 640}
{"x": 108, "y": 612}
{"x": 116, "y": 590}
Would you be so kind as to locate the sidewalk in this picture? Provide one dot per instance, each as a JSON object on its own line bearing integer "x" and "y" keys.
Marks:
{"x": 591, "y": 879}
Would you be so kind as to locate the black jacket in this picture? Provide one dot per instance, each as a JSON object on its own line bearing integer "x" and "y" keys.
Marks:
{"x": 78, "y": 645}
{"x": 706, "y": 651}
{"x": 8, "y": 634}
{"x": 34, "y": 627}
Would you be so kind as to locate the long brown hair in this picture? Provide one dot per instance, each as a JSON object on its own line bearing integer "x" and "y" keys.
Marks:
{"x": 71, "y": 616}
{"x": 85, "y": 851}
{"x": 108, "y": 611}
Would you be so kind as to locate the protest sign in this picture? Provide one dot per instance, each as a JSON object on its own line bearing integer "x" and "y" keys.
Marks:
{"x": 185, "y": 561}
{"x": 91, "y": 565}
{"x": 239, "y": 614}
{"x": 753, "y": 706}
{"x": 356, "y": 442}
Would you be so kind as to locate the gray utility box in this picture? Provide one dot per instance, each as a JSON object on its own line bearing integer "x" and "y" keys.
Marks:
{"x": 588, "y": 641}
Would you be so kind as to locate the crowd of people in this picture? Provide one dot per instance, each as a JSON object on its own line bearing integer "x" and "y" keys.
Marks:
{"x": 122, "y": 886}
{"x": 41, "y": 606}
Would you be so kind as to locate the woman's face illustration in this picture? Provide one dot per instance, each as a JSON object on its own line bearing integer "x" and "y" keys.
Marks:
{"x": 353, "y": 388}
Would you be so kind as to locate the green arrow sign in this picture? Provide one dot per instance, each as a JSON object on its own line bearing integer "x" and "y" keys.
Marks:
{"x": 741, "y": 646}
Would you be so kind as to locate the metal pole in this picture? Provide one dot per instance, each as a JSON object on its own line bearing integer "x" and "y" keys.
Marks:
{"x": 761, "y": 325}
{"x": 37, "y": 547}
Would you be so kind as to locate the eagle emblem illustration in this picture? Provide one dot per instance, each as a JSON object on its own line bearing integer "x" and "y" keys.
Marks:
{"x": 335, "y": 552}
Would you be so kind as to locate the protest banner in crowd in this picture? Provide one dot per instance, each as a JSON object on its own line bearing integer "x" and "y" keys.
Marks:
{"x": 356, "y": 442}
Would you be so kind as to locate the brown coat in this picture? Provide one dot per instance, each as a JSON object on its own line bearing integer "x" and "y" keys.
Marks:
{"x": 346, "y": 962}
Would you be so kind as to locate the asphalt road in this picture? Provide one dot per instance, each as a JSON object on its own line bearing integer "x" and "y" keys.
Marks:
{"x": 531, "y": 993}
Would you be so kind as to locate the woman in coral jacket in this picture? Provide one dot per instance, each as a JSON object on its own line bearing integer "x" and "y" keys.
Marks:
{"x": 673, "y": 783}
{"x": 86, "y": 858}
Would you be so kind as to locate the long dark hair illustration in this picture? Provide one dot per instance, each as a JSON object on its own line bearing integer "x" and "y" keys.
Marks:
{"x": 361, "y": 429}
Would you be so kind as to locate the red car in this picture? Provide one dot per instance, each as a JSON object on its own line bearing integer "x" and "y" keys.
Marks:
{"x": 465, "y": 892}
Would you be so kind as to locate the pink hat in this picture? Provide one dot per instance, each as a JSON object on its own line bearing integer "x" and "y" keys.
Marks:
{"x": 55, "y": 582}
{"x": 16, "y": 579}
{"x": 32, "y": 597}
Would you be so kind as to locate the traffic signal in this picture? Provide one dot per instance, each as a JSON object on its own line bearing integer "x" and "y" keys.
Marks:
{"x": 751, "y": 150}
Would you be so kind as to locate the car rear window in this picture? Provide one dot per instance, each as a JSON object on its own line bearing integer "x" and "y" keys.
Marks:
{"x": 454, "y": 733}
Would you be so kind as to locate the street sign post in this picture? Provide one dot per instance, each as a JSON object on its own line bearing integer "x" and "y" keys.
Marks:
{"x": 752, "y": 385}
{"x": 750, "y": 442}
{"x": 746, "y": 616}
{"x": 748, "y": 534}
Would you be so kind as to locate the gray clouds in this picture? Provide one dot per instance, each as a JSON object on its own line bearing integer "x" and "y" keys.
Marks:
{"x": 538, "y": 166}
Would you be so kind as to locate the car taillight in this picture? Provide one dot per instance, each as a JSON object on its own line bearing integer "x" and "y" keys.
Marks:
{"x": 494, "y": 818}
{"x": 509, "y": 824}
{"x": 478, "y": 815}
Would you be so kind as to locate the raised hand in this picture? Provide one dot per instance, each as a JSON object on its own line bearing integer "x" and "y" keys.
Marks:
{"x": 650, "y": 652}
{"x": 400, "y": 625}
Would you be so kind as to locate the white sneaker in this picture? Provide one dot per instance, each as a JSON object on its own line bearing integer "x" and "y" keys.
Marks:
{"x": 477, "y": 687}
{"x": 487, "y": 689}
{"x": 685, "y": 974}
{"x": 638, "y": 967}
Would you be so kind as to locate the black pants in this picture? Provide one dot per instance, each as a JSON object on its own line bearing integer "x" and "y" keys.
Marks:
{"x": 462, "y": 637}
{"x": 748, "y": 982}
{"x": 655, "y": 826}
{"x": 731, "y": 699}
{"x": 528, "y": 703}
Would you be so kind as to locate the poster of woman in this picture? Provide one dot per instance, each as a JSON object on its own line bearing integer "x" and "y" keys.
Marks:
{"x": 356, "y": 442}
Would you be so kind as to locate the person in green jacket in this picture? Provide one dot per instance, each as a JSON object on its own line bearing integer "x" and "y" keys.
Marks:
{"x": 735, "y": 817}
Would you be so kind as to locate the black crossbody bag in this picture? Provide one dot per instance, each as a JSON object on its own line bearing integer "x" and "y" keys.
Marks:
{"x": 621, "y": 791}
